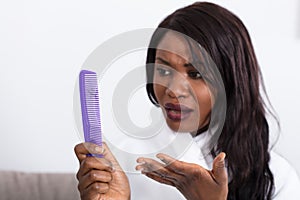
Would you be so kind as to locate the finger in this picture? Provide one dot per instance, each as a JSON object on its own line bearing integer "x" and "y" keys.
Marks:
{"x": 165, "y": 158}
{"x": 94, "y": 191}
{"x": 182, "y": 168}
{"x": 159, "y": 179}
{"x": 219, "y": 169}
{"x": 150, "y": 166}
{"x": 82, "y": 149}
{"x": 93, "y": 163}
{"x": 107, "y": 154}
{"x": 173, "y": 164}
{"x": 92, "y": 177}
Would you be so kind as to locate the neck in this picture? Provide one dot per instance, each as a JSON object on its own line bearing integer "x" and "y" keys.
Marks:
{"x": 200, "y": 130}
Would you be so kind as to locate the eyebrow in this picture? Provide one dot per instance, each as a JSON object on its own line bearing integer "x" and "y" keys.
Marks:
{"x": 167, "y": 63}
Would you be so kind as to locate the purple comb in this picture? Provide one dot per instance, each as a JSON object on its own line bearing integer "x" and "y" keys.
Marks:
{"x": 90, "y": 108}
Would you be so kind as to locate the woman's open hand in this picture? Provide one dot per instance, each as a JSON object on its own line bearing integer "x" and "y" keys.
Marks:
{"x": 192, "y": 180}
{"x": 100, "y": 178}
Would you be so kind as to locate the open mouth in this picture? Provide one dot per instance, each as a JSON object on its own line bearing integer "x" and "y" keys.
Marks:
{"x": 177, "y": 112}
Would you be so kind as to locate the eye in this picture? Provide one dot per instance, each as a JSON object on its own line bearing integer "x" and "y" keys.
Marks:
{"x": 195, "y": 75}
{"x": 163, "y": 72}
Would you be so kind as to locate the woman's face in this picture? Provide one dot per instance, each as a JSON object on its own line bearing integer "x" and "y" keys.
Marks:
{"x": 181, "y": 92}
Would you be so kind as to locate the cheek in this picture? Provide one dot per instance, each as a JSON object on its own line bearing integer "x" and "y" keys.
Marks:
{"x": 204, "y": 100}
{"x": 159, "y": 87}
{"x": 159, "y": 91}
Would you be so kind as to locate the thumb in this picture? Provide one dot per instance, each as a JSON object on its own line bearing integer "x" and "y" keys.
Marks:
{"x": 219, "y": 169}
{"x": 107, "y": 154}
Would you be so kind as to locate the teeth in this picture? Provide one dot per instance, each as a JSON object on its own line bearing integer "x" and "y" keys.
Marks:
{"x": 175, "y": 111}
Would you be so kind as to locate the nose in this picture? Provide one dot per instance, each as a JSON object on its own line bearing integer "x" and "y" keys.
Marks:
{"x": 178, "y": 86}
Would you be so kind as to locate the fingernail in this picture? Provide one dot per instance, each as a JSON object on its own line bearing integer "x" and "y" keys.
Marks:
{"x": 160, "y": 158}
{"x": 223, "y": 157}
{"x": 140, "y": 169}
{"x": 113, "y": 169}
{"x": 140, "y": 161}
{"x": 98, "y": 149}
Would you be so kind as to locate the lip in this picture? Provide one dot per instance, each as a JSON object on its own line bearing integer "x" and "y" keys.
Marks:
{"x": 177, "y": 112}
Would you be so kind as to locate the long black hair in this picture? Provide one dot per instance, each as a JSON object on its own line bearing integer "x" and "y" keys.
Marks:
{"x": 245, "y": 135}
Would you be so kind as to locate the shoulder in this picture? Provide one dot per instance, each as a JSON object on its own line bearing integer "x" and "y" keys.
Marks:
{"x": 286, "y": 180}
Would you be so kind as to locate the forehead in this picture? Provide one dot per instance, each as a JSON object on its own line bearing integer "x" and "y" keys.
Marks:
{"x": 175, "y": 44}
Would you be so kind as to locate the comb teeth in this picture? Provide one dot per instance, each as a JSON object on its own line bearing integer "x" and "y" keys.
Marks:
{"x": 90, "y": 107}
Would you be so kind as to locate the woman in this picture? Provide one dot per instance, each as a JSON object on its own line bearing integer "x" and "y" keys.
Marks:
{"x": 183, "y": 83}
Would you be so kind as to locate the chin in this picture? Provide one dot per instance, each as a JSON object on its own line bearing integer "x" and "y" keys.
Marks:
{"x": 180, "y": 127}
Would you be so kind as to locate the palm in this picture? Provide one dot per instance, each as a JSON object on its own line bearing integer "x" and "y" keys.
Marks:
{"x": 192, "y": 180}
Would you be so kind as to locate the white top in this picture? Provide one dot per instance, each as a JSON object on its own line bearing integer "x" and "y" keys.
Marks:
{"x": 287, "y": 183}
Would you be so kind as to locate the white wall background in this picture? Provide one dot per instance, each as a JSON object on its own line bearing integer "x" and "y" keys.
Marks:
{"x": 44, "y": 43}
